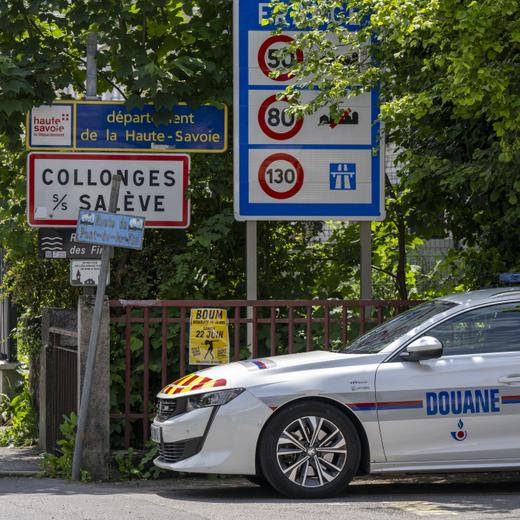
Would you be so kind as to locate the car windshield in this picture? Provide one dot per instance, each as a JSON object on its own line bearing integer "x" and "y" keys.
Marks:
{"x": 377, "y": 339}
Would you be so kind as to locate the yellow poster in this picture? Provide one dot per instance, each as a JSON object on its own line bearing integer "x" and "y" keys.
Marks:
{"x": 209, "y": 337}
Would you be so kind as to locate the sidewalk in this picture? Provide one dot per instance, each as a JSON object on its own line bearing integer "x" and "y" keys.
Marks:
{"x": 19, "y": 462}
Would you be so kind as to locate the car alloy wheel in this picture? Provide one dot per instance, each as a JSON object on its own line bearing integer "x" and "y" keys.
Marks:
{"x": 311, "y": 451}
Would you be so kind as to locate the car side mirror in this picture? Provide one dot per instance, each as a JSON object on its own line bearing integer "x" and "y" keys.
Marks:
{"x": 423, "y": 348}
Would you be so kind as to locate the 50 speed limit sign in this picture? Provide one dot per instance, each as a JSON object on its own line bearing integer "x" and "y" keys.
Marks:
{"x": 313, "y": 167}
{"x": 271, "y": 60}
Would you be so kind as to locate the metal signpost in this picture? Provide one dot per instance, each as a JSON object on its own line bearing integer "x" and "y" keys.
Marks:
{"x": 107, "y": 229}
{"x": 298, "y": 169}
{"x": 60, "y": 184}
{"x": 109, "y": 125}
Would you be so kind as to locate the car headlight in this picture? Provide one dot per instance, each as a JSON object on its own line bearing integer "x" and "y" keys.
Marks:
{"x": 217, "y": 398}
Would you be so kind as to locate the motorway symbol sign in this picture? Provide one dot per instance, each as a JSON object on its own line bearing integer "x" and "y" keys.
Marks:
{"x": 110, "y": 126}
{"x": 62, "y": 243}
{"x": 85, "y": 273}
{"x": 110, "y": 229}
{"x": 316, "y": 167}
{"x": 154, "y": 186}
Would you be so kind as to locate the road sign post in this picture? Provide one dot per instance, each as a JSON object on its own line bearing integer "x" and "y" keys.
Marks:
{"x": 93, "y": 342}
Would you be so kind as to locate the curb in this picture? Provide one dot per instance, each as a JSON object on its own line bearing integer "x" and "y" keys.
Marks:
{"x": 20, "y": 473}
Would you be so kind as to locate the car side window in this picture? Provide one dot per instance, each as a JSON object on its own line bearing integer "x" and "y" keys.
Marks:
{"x": 495, "y": 328}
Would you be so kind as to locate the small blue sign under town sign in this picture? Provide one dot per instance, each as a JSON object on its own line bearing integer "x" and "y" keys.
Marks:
{"x": 110, "y": 229}
{"x": 109, "y": 125}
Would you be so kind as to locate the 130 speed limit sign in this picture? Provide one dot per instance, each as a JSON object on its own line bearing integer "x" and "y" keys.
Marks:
{"x": 281, "y": 176}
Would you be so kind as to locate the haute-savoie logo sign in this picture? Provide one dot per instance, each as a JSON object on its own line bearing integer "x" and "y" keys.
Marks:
{"x": 51, "y": 125}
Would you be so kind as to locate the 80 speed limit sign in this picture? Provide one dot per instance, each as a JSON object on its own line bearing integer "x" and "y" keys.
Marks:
{"x": 312, "y": 167}
{"x": 275, "y": 121}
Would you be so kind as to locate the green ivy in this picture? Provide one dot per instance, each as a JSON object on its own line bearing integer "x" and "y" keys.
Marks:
{"x": 132, "y": 464}
{"x": 17, "y": 418}
{"x": 60, "y": 466}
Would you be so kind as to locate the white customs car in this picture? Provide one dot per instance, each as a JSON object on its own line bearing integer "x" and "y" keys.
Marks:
{"x": 435, "y": 389}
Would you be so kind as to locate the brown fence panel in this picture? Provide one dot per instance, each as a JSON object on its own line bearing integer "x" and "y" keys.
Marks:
{"x": 62, "y": 371}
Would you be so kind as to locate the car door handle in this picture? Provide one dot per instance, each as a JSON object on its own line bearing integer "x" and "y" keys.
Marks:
{"x": 513, "y": 379}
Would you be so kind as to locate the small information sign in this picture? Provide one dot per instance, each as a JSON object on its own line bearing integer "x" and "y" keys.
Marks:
{"x": 85, "y": 273}
{"x": 110, "y": 229}
{"x": 209, "y": 337}
{"x": 62, "y": 243}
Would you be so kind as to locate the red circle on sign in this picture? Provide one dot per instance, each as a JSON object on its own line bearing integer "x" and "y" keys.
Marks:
{"x": 280, "y": 194}
{"x": 277, "y": 38}
{"x": 280, "y": 136}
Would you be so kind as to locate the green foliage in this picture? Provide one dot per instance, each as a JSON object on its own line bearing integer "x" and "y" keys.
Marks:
{"x": 60, "y": 466}
{"x": 28, "y": 336}
{"x": 135, "y": 465}
{"x": 17, "y": 418}
{"x": 450, "y": 91}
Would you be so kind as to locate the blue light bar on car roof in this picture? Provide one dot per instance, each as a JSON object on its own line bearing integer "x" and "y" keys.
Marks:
{"x": 510, "y": 277}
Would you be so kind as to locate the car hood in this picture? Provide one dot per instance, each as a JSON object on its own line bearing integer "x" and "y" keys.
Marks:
{"x": 262, "y": 371}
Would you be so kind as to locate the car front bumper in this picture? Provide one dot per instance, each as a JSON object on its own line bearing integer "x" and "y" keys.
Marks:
{"x": 219, "y": 439}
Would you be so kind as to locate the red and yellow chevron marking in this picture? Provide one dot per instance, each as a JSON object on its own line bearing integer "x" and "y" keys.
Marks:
{"x": 192, "y": 382}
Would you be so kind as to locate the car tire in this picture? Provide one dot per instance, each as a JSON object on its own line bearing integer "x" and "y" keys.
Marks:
{"x": 309, "y": 449}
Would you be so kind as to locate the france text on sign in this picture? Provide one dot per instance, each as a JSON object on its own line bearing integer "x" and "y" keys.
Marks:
{"x": 102, "y": 125}
{"x": 110, "y": 229}
{"x": 209, "y": 337}
{"x": 62, "y": 243}
{"x": 153, "y": 186}
{"x": 312, "y": 168}
{"x": 85, "y": 273}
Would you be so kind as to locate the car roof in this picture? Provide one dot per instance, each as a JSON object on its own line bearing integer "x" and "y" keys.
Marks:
{"x": 484, "y": 296}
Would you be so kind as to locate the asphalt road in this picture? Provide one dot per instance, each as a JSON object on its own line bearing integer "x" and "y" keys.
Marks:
{"x": 471, "y": 497}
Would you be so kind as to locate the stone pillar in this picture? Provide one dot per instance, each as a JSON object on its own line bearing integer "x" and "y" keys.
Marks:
{"x": 96, "y": 450}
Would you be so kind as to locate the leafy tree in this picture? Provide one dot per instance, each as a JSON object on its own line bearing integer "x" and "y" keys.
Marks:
{"x": 450, "y": 85}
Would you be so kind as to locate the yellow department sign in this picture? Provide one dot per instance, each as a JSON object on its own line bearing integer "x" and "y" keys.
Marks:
{"x": 209, "y": 337}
